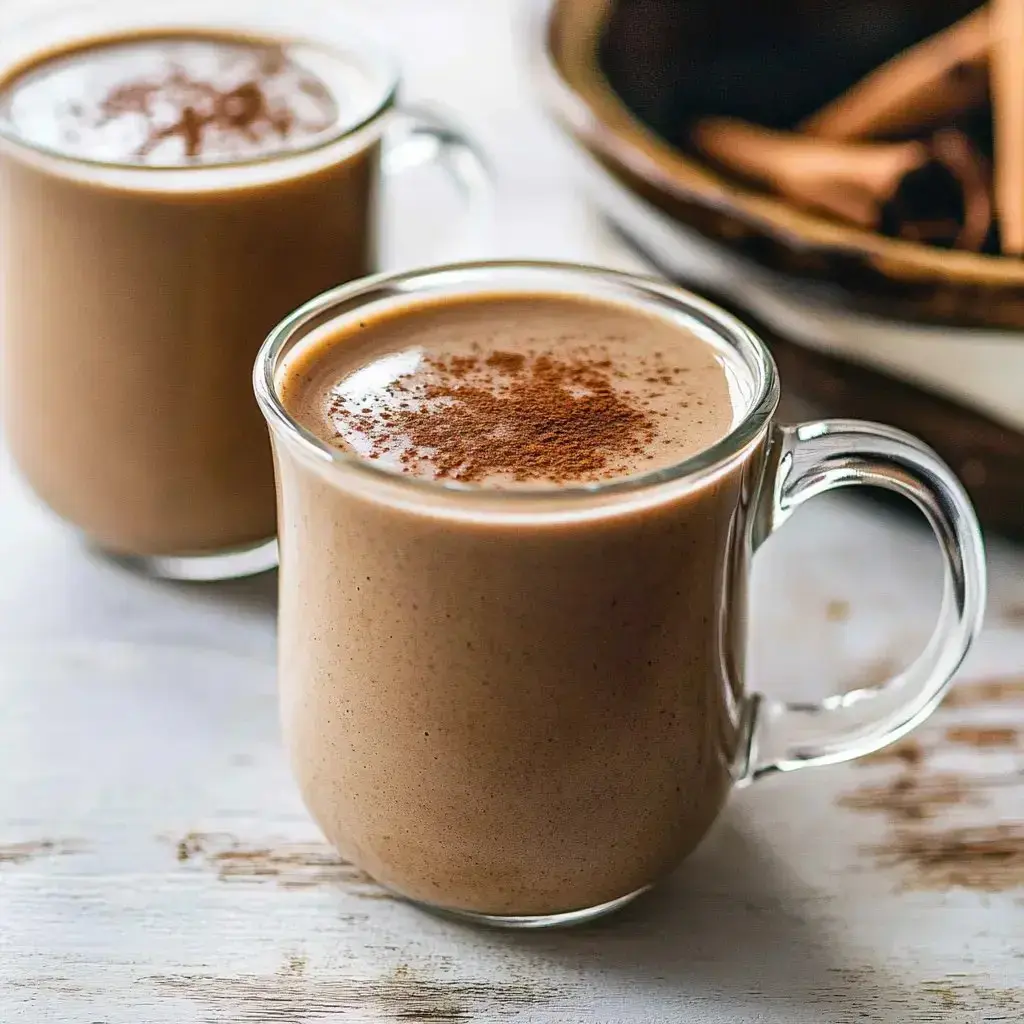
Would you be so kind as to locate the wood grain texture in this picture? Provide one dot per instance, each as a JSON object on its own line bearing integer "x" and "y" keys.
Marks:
{"x": 157, "y": 867}
{"x": 167, "y": 872}
{"x": 164, "y": 869}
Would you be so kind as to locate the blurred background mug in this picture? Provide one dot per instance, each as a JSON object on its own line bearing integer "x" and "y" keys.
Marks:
{"x": 175, "y": 179}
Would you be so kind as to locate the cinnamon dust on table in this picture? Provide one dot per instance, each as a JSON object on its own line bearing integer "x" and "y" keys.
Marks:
{"x": 912, "y": 796}
{"x": 507, "y": 414}
{"x": 908, "y": 752}
{"x": 998, "y": 690}
{"x": 944, "y": 829}
{"x": 988, "y": 858}
{"x": 983, "y": 736}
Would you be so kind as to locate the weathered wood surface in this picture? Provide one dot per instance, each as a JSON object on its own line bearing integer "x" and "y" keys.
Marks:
{"x": 156, "y": 866}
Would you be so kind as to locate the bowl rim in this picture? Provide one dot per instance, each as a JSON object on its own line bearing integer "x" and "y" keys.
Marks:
{"x": 578, "y": 95}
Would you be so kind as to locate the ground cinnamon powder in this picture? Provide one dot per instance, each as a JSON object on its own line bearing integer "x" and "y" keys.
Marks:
{"x": 200, "y": 105}
{"x": 524, "y": 417}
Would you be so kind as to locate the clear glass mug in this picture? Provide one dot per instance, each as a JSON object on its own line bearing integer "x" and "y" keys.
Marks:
{"x": 525, "y": 707}
{"x": 135, "y": 297}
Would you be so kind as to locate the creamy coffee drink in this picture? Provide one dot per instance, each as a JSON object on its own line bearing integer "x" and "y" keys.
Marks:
{"x": 496, "y": 700}
{"x": 166, "y": 199}
{"x": 506, "y": 391}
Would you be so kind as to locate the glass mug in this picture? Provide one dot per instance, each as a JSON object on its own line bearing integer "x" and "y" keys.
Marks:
{"x": 136, "y": 296}
{"x": 526, "y": 707}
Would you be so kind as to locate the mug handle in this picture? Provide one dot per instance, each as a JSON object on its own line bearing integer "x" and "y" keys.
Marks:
{"x": 808, "y": 460}
{"x": 419, "y": 136}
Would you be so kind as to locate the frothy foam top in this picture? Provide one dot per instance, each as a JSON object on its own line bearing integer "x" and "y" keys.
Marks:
{"x": 505, "y": 391}
{"x": 179, "y": 100}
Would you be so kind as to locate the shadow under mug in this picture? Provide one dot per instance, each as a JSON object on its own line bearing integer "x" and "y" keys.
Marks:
{"x": 136, "y": 296}
{"x": 524, "y": 707}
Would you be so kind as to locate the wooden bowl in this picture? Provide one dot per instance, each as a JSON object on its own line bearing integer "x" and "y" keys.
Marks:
{"x": 861, "y": 325}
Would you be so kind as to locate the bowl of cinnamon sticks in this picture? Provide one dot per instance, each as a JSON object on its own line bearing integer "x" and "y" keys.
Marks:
{"x": 849, "y": 176}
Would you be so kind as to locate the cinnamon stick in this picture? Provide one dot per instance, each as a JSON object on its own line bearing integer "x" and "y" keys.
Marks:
{"x": 1008, "y": 115}
{"x": 848, "y": 180}
{"x": 918, "y": 213}
{"x": 934, "y": 191}
{"x": 940, "y": 77}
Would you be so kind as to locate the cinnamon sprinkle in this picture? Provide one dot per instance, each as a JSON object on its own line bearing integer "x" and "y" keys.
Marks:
{"x": 198, "y": 105}
{"x": 533, "y": 417}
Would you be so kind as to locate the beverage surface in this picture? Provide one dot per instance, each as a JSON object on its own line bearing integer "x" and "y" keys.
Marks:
{"x": 177, "y": 100}
{"x": 513, "y": 390}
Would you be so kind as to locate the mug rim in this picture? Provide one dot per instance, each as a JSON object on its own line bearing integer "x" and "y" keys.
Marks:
{"x": 363, "y": 49}
{"x": 646, "y": 293}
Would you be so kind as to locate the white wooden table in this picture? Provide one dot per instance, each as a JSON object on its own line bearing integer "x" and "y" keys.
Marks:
{"x": 156, "y": 866}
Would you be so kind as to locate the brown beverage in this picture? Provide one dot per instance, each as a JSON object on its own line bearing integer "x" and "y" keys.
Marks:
{"x": 167, "y": 198}
{"x": 510, "y": 718}
{"x": 518, "y": 504}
